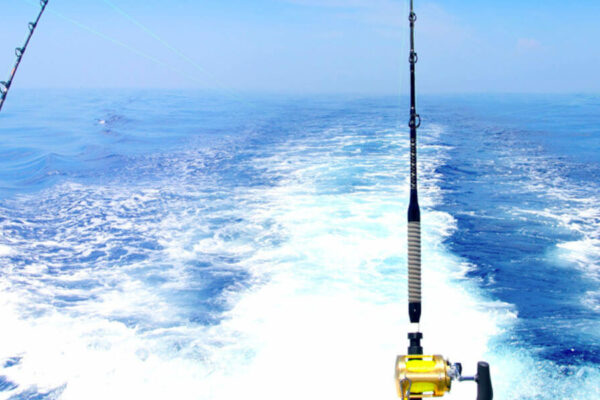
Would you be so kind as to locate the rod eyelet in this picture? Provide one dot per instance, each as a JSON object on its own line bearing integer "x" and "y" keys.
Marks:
{"x": 415, "y": 121}
{"x": 413, "y": 58}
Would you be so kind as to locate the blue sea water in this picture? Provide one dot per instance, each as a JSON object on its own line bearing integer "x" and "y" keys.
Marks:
{"x": 165, "y": 244}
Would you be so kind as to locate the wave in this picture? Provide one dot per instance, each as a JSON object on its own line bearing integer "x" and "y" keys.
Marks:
{"x": 290, "y": 282}
{"x": 574, "y": 209}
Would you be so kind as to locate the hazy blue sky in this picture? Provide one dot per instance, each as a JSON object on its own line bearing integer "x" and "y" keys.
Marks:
{"x": 309, "y": 45}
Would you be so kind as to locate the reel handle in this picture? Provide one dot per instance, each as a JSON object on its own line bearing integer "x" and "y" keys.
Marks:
{"x": 484, "y": 382}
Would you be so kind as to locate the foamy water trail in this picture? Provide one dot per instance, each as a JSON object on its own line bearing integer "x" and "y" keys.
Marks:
{"x": 574, "y": 208}
{"x": 187, "y": 288}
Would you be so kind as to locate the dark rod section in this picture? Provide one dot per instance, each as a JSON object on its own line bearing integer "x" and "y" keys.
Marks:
{"x": 414, "y": 214}
{"x": 415, "y": 343}
{"x": 19, "y": 52}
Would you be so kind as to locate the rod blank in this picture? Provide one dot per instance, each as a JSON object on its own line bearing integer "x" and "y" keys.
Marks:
{"x": 19, "y": 52}
{"x": 414, "y": 213}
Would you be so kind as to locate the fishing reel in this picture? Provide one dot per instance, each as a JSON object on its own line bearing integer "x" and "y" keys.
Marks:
{"x": 420, "y": 376}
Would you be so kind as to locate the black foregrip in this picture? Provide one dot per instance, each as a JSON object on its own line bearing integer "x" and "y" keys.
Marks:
{"x": 484, "y": 382}
{"x": 414, "y": 312}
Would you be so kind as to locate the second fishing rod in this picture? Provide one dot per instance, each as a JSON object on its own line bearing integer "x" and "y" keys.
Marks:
{"x": 417, "y": 375}
{"x": 19, "y": 52}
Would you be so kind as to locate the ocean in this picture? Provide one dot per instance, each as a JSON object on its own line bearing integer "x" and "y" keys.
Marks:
{"x": 189, "y": 245}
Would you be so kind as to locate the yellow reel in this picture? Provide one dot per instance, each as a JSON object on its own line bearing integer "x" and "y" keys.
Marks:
{"x": 419, "y": 376}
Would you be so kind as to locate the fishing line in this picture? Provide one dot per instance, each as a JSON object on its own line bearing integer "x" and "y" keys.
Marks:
{"x": 167, "y": 45}
{"x": 121, "y": 44}
{"x": 404, "y": 44}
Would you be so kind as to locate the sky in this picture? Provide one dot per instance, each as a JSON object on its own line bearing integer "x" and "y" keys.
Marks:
{"x": 307, "y": 46}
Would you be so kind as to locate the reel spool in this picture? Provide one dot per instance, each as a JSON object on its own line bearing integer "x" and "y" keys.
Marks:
{"x": 420, "y": 376}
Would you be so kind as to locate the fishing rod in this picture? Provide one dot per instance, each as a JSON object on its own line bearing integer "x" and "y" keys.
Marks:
{"x": 19, "y": 52}
{"x": 417, "y": 375}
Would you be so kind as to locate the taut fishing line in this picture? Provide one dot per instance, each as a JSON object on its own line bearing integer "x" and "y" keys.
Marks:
{"x": 121, "y": 44}
{"x": 168, "y": 46}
